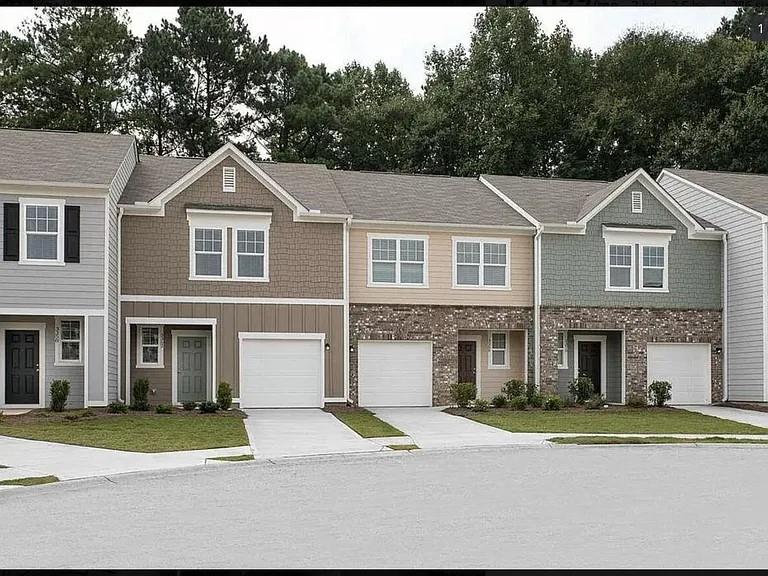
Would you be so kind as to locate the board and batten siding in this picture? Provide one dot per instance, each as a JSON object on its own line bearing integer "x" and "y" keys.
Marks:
{"x": 440, "y": 271}
{"x": 74, "y": 285}
{"x": 744, "y": 312}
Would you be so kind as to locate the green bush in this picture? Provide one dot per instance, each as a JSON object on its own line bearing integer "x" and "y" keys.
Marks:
{"x": 581, "y": 389}
{"x": 637, "y": 401}
{"x": 164, "y": 409}
{"x": 519, "y": 402}
{"x": 189, "y": 406}
{"x": 480, "y": 405}
{"x": 462, "y": 393}
{"x": 552, "y": 402}
{"x": 595, "y": 402}
{"x": 117, "y": 408}
{"x": 59, "y": 395}
{"x": 536, "y": 400}
{"x": 208, "y": 407}
{"x": 224, "y": 395}
{"x": 659, "y": 392}
{"x": 530, "y": 391}
{"x": 140, "y": 395}
{"x": 513, "y": 388}
{"x": 567, "y": 401}
{"x": 499, "y": 401}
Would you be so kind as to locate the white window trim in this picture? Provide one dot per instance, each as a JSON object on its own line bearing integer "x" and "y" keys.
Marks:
{"x": 228, "y": 170}
{"x": 193, "y": 275}
{"x": 397, "y": 261}
{"x": 637, "y": 239}
{"x": 482, "y": 241}
{"x": 564, "y": 348}
{"x": 632, "y": 270}
{"x": 491, "y": 349}
{"x": 58, "y": 360}
{"x": 160, "y": 347}
{"x": 235, "y": 262}
{"x": 23, "y": 203}
{"x": 637, "y": 194}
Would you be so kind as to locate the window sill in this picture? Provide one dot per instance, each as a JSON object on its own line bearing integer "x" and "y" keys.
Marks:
{"x": 490, "y": 367}
{"x": 241, "y": 279}
{"x": 66, "y": 363}
{"x": 42, "y": 262}
{"x": 657, "y": 290}
{"x": 140, "y": 366}
{"x": 493, "y": 288}
{"x": 225, "y": 279}
{"x": 394, "y": 285}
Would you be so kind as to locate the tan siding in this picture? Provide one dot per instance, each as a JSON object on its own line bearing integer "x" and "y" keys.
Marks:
{"x": 440, "y": 264}
{"x": 234, "y": 318}
{"x": 492, "y": 379}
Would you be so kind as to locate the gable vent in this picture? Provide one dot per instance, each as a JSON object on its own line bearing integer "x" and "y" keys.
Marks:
{"x": 229, "y": 179}
{"x": 637, "y": 202}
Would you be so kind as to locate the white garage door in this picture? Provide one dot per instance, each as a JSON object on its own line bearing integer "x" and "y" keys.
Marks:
{"x": 393, "y": 373}
{"x": 281, "y": 373}
{"x": 686, "y": 366}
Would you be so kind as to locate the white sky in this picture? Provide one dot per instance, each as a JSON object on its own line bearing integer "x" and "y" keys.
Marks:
{"x": 402, "y": 36}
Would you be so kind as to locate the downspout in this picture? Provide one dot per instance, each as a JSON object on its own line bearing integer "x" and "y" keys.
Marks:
{"x": 347, "y": 224}
{"x": 119, "y": 303}
{"x": 537, "y": 306}
{"x": 724, "y": 357}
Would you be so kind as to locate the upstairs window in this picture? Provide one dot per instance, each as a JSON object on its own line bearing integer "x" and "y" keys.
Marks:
{"x": 620, "y": 266}
{"x": 654, "y": 267}
{"x": 481, "y": 263}
{"x": 398, "y": 261}
{"x": 42, "y": 235}
{"x": 208, "y": 248}
{"x": 228, "y": 178}
{"x": 637, "y": 260}
{"x": 637, "y": 202}
{"x": 250, "y": 251}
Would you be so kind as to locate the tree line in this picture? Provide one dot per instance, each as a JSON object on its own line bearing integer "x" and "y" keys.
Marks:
{"x": 516, "y": 100}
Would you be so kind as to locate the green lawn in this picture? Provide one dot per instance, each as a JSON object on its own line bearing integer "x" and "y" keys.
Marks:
{"x": 29, "y": 481}
{"x": 364, "y": 422}
{"x": 598, "y": 440}
{"x": 239, "y": 458}
{"x": 403, "y": 447}
{"x": 614, "y": 420}
{"x": 136, "y": 432}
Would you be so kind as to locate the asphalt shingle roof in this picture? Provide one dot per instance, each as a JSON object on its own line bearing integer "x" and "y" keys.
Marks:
{"x": 751, "y": 190}
{"x": 153, "y": 174}
{"x": 65, "y": 157}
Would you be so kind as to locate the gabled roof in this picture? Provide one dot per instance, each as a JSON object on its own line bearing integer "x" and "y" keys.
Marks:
{"x": 393, "y": 197}
{"x": 750, "y": 190}
{"x": 58, "y": 157}
{"x": 153, "y": 174}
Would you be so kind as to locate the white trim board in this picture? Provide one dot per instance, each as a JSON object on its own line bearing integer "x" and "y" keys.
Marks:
{"x": 175, "y": 334}
{"x": 478, "y": 340}
{"x": 603, "y": 340}
{"x": 41, "y": 361}
{"x": 230, "y": 300}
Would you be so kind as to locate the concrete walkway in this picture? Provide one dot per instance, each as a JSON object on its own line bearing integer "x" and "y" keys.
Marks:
{"x": 34, "y": 458}
{"x": 276, "y": 433}
{"x": 736, "y": 414}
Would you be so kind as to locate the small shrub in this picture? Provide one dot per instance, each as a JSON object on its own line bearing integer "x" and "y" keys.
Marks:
{"x": 189, "y": 406}
{"x": 462, "y": 393}
{"x": 513, "y": 388}
{"x": 164, "y": 409}
{"x": 536, "y": 400}
{"x": 224, "y": 395}
{"x": 139, "y": 395}
{"x": 59, "y": 395}
{"x": 659, "y": 392}
{"x": 581, "y": 389}
{"x": 637, "y": 401}
{"x": 208, "y": 407}
{"x": 530, "y": 391}
{"x": 480, "y": 405}
{"x": 552, "y": 402}
{"x": 499, "y": 401}
{"x": 519, "y": 402}
{"x": 117, "y": 408}
{"x": 595, "y": 402}
{"x": 568, "y": 401}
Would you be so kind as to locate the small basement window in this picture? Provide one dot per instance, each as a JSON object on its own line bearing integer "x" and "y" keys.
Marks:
{"x": 637, "y": 202}
{"x": 229, "y": 177}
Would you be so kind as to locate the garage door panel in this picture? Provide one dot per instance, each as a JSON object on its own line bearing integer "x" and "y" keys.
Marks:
{"x": 395, "y": 373}
{"x": 686, "y": 366}
{"x": 281, "y": 373}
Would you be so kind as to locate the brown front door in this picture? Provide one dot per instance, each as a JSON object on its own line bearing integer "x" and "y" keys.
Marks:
{"x": 467, "y": 365}
{"x": 589, "y": 363}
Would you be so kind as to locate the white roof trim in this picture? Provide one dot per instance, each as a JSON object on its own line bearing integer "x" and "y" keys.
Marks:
{"x": 509, "y": 202}
{"x": 720, "y": 197}
{"x": 228, "y": 149}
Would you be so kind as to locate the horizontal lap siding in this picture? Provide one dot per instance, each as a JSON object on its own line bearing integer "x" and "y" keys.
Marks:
{"x": 745, "y": 287}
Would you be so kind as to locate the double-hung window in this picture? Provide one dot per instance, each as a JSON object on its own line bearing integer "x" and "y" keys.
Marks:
{"x": 250, "y": 252}
{"x": 498, "y": 350}
{"x": 637, "y": 260}
{"x": 208, "y": 253}
{"x": 42, "y": 232}
{"x": 69, "y": 339}
{"x": 398, "y": 261}
{"x": 620, "y": 266}
{"x": 149, "y": 347}
{"x": 480, "y": 263}
{"x": 654, "y": 266}
{"x": 562, "y": 350}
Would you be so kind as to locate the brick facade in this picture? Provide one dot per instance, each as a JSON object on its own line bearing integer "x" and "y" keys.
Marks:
{"x": 441, "y": 325}
{"x": 640, "y": 325}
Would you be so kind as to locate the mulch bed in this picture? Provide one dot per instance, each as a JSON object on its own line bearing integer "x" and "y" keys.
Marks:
{"x": 79, "y": 414}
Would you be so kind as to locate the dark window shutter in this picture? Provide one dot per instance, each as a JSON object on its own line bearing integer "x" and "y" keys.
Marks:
{"x": 71, "y": 233}
{"x": 11, "y": 231}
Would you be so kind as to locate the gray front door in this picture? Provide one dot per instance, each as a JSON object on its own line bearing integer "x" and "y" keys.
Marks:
{"x": 192, "y": 369}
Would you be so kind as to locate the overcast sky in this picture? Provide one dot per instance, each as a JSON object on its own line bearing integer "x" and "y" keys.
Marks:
{"x": 401, "y": 36}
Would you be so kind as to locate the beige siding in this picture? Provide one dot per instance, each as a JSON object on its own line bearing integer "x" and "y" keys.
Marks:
{"x": 492, "y": 379}
{"x": 440, "y": 273}
{"x": 232, "y": 319}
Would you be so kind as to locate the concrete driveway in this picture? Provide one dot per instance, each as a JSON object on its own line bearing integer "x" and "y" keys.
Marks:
{"x": 736, "y": 414}
{"x": 276, "y": 433}
{"x": 431, "y": 428}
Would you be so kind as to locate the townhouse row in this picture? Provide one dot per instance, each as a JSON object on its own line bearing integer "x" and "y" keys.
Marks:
{"x": 302, "y": 286}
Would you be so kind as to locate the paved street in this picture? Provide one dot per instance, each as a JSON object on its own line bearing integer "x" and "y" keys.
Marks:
{"x": 491, "y": 507}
